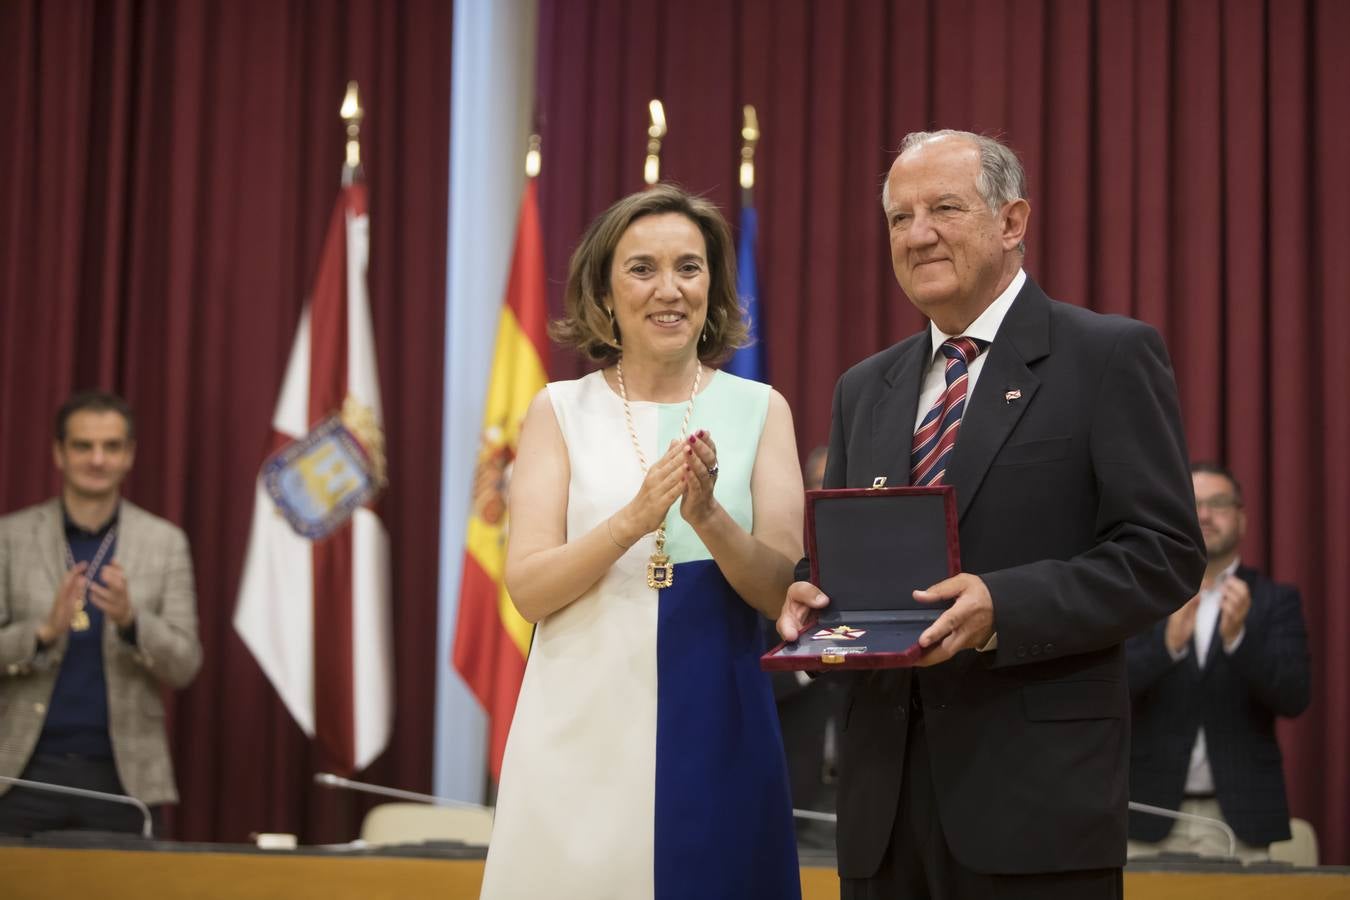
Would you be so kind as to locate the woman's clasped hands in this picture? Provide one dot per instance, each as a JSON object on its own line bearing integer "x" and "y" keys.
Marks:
{"x": 687, "y": 471}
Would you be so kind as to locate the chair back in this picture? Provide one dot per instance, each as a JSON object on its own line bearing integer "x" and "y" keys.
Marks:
{"x": 1300, "y": 849}
{"x": 415, "y": 823}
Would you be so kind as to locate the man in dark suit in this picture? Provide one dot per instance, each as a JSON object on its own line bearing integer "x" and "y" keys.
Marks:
{"x": 1206, "y": 686}
{"x": 999, "y": 768}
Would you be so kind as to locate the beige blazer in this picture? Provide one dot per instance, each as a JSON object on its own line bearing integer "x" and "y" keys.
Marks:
{"x": 155, "y": 555}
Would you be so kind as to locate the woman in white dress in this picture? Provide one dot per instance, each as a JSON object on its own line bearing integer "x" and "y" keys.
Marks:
{"x": 656, "y": 514}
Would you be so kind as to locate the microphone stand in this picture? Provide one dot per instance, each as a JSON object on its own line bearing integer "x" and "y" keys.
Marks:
{"x": 814, "y": 816}
{"x": 147, "y": 830}
{"x": 1175, "y": 814}
{"x": 330, "y": 780}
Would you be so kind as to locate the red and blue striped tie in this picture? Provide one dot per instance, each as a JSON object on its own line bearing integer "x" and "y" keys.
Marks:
{"x": 936, "y": 437}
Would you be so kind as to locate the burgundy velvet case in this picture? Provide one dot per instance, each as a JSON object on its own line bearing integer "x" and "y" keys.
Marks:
{"x": 869, "y": 549}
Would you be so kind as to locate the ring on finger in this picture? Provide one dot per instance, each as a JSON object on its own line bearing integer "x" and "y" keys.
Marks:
{"x": 712, "y": 471}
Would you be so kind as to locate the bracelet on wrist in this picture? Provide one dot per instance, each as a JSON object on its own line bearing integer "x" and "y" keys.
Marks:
{"x": 609, "y": 529}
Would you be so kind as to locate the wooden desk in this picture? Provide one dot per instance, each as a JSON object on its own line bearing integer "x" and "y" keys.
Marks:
{"x": 35, "y": 873}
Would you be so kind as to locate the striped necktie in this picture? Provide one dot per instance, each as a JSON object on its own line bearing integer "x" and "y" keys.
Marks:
{"x": 936, "y": 437}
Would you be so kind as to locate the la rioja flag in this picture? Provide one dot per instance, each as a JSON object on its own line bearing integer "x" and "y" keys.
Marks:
{"x": 314, "y": 599}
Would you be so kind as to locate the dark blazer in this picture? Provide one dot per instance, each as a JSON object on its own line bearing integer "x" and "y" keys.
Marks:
{"x": 1236, "y": 698}
{"x": 1076, "y": 509}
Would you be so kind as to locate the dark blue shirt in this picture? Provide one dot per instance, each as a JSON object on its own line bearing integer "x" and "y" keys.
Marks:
{"x": 77, "y": 716}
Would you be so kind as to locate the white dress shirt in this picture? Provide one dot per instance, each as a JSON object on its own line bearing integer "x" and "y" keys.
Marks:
{"x": 1199, "y": 777}
{"x": 983, "y": 328}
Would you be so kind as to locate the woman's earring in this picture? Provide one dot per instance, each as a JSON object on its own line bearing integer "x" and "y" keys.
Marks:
{"x": 704, "y": 338}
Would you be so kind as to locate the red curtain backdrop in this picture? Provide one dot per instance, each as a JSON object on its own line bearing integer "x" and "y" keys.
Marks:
{"x": 1187, "y": 166}
{"x": 169, "y": 168}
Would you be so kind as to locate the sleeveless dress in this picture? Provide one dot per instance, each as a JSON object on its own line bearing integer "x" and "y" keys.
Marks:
{"x": 644, "y": 759}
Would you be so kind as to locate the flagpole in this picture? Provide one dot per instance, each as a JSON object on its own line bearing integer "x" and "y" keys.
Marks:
{"x": 748, "y": 361}
{"x": 656, "y": 130}
{"x": 352, "y": 114}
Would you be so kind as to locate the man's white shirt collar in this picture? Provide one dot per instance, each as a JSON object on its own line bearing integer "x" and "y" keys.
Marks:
{"x": 986, "y": 326}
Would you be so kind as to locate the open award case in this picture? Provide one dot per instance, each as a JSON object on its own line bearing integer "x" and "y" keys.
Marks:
{"x": 870, "y": 548}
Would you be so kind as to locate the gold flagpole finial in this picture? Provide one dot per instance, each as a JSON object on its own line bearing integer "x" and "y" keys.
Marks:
{"x": 749, "y": 138}
{"x": 533, "y": 160}
{"x": 651, "y": 171}
{"x": 352, "y": 114}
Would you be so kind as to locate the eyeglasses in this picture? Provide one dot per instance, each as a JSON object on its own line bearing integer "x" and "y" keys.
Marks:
{"x": 1221, "y": 504}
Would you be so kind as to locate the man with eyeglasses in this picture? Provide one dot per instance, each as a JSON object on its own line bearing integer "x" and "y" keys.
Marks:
{"x": 1206, "y": 686}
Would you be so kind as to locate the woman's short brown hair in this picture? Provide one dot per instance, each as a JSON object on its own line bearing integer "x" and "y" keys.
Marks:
{"x": 586, "y": 324}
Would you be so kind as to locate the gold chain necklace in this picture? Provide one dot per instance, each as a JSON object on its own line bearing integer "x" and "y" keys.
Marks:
{"x": 80, "y": 620}
{"x": 660, "y": 573}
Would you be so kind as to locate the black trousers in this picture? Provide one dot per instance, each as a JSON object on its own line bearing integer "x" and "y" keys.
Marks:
{"x": 24, "y": 811}
{"x": 919, "y": 865}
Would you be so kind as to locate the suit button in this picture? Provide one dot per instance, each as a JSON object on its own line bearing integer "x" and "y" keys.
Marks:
{"x": 1022, "y": 651}
{"x": 40, "y": 708}
{"x": 1049, "y": 648}
{"x": 1035, "y": 649}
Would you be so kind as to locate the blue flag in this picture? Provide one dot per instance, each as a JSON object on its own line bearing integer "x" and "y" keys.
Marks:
{"x": 748, "y": 361}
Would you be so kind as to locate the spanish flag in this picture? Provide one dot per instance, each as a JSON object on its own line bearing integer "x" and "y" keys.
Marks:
{"x": 491, "y": 639}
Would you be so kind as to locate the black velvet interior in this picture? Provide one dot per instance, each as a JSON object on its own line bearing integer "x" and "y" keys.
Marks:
{"x": 872, "y": 551}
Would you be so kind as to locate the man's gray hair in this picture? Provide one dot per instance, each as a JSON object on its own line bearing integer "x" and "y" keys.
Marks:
{"x": 1001, "y": 179}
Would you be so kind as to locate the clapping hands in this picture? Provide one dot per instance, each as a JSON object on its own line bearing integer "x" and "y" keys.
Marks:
{"x": 700, "y": 468}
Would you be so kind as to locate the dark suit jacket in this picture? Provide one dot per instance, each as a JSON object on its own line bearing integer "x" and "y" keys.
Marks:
{"x": 1236, "y": 698}
{"x": 1076, "y": 509}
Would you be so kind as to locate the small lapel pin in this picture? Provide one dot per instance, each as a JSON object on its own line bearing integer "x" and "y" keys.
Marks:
{"x": 879, "y": 481}
{"x": 1014, "y": 394}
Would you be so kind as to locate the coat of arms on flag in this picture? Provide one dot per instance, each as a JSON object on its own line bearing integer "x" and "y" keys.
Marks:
{"x": 838, "y": 633}
{"x": 318, "y": 481}
{"x": 492, "y": 476}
